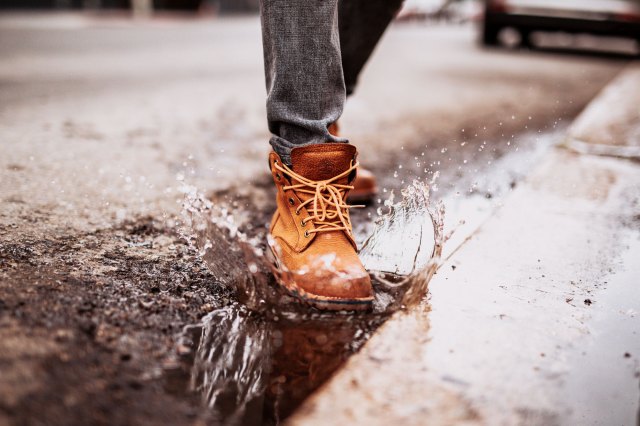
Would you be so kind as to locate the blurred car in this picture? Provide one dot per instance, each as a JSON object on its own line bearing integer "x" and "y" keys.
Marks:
{"x": 456, "y": 11}
{"x": 619, "y": 18}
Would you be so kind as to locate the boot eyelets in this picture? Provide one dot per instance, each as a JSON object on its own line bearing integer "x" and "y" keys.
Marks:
{"x": 278, "y": 176}
{"x": 297, "y": 212}
{"x": 292, "y": 201}
{"x": 306, "y": 234}
{"x": 303, "y": 223}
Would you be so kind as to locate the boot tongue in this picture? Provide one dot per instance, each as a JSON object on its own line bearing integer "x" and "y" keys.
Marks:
{"x": 323, "y": 161}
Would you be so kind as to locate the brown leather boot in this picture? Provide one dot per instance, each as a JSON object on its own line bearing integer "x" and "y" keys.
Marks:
{"x": 311, "y": 231}
{"x": 364, "y": 186}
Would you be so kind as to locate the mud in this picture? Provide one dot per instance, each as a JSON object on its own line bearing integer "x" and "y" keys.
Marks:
{"x": 95, "y": 324}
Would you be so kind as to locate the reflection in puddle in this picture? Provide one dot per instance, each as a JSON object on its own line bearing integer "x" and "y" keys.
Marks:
{"x": 250, "y": 370}
{"x": 255, "y": 361}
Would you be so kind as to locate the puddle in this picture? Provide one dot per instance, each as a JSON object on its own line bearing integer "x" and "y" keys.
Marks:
{"x": 251, "y": 370}
{"x": 255, "y": 361}
{"x": 613, "y": 343}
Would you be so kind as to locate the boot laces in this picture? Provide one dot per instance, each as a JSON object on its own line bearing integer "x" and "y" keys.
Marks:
{"x": 329, "y": 210}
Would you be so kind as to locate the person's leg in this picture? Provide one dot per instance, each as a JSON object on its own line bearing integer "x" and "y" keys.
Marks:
{"x": 303, "y": 67}
{"x": 362, "y": 23}
{"x": 311, "y": 236}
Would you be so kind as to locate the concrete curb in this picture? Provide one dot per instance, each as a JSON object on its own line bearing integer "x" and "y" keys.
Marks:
{"x": 610, "y": 125}
{"x": 533, "y": 320}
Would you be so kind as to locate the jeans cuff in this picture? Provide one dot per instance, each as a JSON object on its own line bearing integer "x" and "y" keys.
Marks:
{"x": 283, "y": 147}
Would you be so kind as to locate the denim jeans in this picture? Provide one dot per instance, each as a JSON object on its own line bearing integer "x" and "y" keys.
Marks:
{"x": 314, "y": 51}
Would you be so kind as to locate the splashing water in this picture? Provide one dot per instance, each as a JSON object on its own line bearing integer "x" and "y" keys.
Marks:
{"x": 404, "y": 249}
{"x": 401, "y": 254}
{"x": 256, "y": 360}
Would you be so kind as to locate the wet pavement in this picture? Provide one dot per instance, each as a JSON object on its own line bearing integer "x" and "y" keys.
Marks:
{"x": 118, "y": 308}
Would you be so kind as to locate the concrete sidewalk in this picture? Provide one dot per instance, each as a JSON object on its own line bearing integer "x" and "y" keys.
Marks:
{"x": 533, "y": 321}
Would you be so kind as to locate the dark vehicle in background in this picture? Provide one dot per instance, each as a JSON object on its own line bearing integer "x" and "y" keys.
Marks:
{"x": 619, "y": 18}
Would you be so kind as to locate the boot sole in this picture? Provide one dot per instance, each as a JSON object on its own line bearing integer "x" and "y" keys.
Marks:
{"x": 321, "y": 302}
{"x": 328, "y": 303}
{"x": 332, "y": 304}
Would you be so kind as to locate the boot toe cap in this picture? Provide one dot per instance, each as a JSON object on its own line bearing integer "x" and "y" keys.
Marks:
{"x": 342, "y": 284}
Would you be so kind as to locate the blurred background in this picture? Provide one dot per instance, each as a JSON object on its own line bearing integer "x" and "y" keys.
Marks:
{"x": 510, "y": 22}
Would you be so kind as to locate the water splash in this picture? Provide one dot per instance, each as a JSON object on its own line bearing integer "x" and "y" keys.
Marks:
{"x": 255, "y": 361}
{"x": 401, "y": 254}
{"x": 231, "y": 364}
